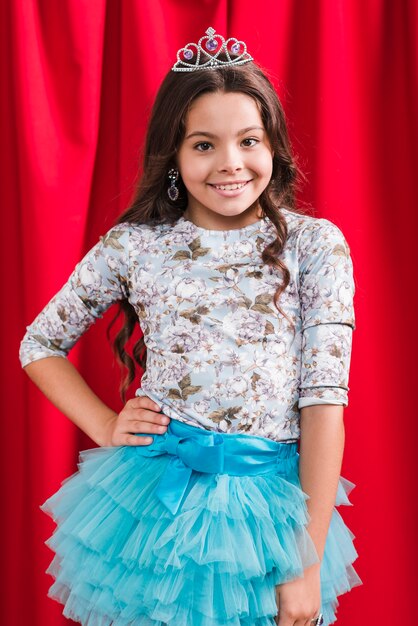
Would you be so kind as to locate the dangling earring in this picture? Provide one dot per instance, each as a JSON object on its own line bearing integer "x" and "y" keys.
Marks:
{"x": 173, "y": 191}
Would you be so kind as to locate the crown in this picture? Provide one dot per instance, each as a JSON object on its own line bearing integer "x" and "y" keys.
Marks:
{"x": 208, "y": 48}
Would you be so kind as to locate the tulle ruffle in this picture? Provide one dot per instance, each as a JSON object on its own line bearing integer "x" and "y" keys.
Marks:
{"x": 122, "y": 559}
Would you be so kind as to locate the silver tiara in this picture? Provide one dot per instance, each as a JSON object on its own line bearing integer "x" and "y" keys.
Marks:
{"x": 208, "y": 48}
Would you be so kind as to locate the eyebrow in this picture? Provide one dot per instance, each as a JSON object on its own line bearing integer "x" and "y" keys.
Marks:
{"x": 212, "y": 136}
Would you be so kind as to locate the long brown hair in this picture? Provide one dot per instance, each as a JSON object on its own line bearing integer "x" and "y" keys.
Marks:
{"x": 166, "y": 129}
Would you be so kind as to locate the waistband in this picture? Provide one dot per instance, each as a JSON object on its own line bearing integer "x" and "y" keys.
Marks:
{"x": 209, "y": 452}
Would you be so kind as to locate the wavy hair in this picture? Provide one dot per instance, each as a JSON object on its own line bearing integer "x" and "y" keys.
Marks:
{"x": 165, "y": 133}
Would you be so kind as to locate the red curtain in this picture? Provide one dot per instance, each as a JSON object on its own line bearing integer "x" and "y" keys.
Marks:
{"x": 78, "y": 80}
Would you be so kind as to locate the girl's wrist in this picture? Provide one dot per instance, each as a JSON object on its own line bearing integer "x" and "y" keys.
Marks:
{"x": 104, "y": 437}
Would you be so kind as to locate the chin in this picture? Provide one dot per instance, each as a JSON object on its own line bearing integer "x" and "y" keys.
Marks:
{"x": 231, "y": 212}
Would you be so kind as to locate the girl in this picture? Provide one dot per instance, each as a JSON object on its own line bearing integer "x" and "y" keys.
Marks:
{"x": 222, "y": 519}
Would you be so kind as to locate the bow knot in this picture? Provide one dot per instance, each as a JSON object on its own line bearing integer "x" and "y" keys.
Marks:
{"x": 189, "y": 453}
{"x": 171, "y": 444}
{"x": 209, "y": 452}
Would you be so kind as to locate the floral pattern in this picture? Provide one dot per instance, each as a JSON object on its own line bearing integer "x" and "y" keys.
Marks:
{"x": 219, "y": 354}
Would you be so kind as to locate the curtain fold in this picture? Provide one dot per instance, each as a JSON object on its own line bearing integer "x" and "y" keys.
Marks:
{"x": 78, "y": 79}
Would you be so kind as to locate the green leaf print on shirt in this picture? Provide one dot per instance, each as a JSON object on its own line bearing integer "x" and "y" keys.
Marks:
{"x": 227, "y": 414}
{"x": 195, "y": 314}
{"x": 186, "y": 389}
{"x": 112, "y": 241}
{"x": 195, "y": 251}
{"x": 261, "y": 303}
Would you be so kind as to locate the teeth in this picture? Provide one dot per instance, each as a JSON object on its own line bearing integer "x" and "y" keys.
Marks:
{"x": 230, "y": 187}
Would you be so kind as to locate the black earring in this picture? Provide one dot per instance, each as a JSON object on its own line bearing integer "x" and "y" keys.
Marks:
{"x": 173, "y": 191}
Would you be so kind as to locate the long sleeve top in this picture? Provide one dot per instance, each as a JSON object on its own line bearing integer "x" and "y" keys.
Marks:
{"x": 220, "y": 356}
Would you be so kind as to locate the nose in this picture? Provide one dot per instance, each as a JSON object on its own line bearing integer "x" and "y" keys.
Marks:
{"x": 230, "y": 160}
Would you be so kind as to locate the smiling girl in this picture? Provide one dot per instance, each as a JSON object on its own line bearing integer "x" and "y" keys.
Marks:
{"x": 227, "y": 166}
{"x": 226, "y": 515}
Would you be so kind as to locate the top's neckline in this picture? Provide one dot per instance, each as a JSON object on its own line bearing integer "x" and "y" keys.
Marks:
{"x": 244, "y": 230}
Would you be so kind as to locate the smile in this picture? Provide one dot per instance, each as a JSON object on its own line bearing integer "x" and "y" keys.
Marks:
{"x": 231, "y": 186}
{"x": 230, "y": 190}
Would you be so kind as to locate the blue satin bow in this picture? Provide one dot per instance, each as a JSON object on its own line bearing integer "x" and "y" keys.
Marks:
{"x": 196, "y": 449}
{"x": 189, "y": 454}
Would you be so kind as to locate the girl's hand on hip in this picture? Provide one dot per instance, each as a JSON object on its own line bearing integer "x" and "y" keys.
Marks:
{"x": 299, "y": 600}
{"x": 139, "y": 415}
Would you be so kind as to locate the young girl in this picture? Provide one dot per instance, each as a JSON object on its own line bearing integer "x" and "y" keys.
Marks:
{"x": 246, "y": 308}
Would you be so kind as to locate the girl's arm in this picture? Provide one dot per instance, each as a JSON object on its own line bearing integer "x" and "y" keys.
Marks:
{"x": 100, "y": 279}
{"x": 64, "y": 386}
{"x": 321, "y": 453}
{"x": 326, "y": 289}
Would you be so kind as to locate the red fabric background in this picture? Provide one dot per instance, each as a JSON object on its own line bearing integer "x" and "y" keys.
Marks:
{"x": 78, "y": 79}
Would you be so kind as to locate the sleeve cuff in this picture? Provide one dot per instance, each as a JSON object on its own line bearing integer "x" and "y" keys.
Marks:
{"x": 37, "y": 355}
{"x": 323, "y": 395}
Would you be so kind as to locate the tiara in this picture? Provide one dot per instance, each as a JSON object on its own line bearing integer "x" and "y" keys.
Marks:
{"x": 209, "y": 47}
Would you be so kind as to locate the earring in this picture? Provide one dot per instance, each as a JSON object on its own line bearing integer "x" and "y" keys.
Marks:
{"x": 173, "y": 191}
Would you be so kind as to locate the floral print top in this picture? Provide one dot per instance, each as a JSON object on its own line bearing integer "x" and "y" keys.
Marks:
{"x": 219, "y": 354}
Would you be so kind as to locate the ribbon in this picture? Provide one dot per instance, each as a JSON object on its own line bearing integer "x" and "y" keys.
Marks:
{"x": 205, "y": 455}
{"x": 211, "y": 453}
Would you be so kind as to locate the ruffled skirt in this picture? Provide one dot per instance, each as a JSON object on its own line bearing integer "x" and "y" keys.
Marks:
{"x": 195, "y": 529}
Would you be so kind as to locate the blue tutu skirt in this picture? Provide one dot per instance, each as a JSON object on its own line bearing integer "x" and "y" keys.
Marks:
{"x": 194, "y": 529}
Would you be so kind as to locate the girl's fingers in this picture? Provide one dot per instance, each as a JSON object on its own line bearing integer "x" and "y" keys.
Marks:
{"x": 150, "y": 417}
{"x": 143, "y": 402}
{"x": 132, "y": 428}
{"x": 140, "y": 416}
{"x": 284, "y": 619}
{"x": 137, "y": 426}
{"x": 143, "y": 409}
{"x": 290, "y": 621}
{"x": 134, "y": 440}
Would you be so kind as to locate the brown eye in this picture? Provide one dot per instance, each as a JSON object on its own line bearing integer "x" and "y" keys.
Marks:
{"x": 203, "y": 143}
{"x": 256, "y": 141}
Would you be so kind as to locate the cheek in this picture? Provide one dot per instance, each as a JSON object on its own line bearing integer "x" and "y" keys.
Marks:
{"x": 194, "y": 173}
{"x": 268, "y": 163}
{"x": 264, "y": 165}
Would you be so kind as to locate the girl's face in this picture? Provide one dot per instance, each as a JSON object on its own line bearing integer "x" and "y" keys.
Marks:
{"x": 225, "y": 160}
